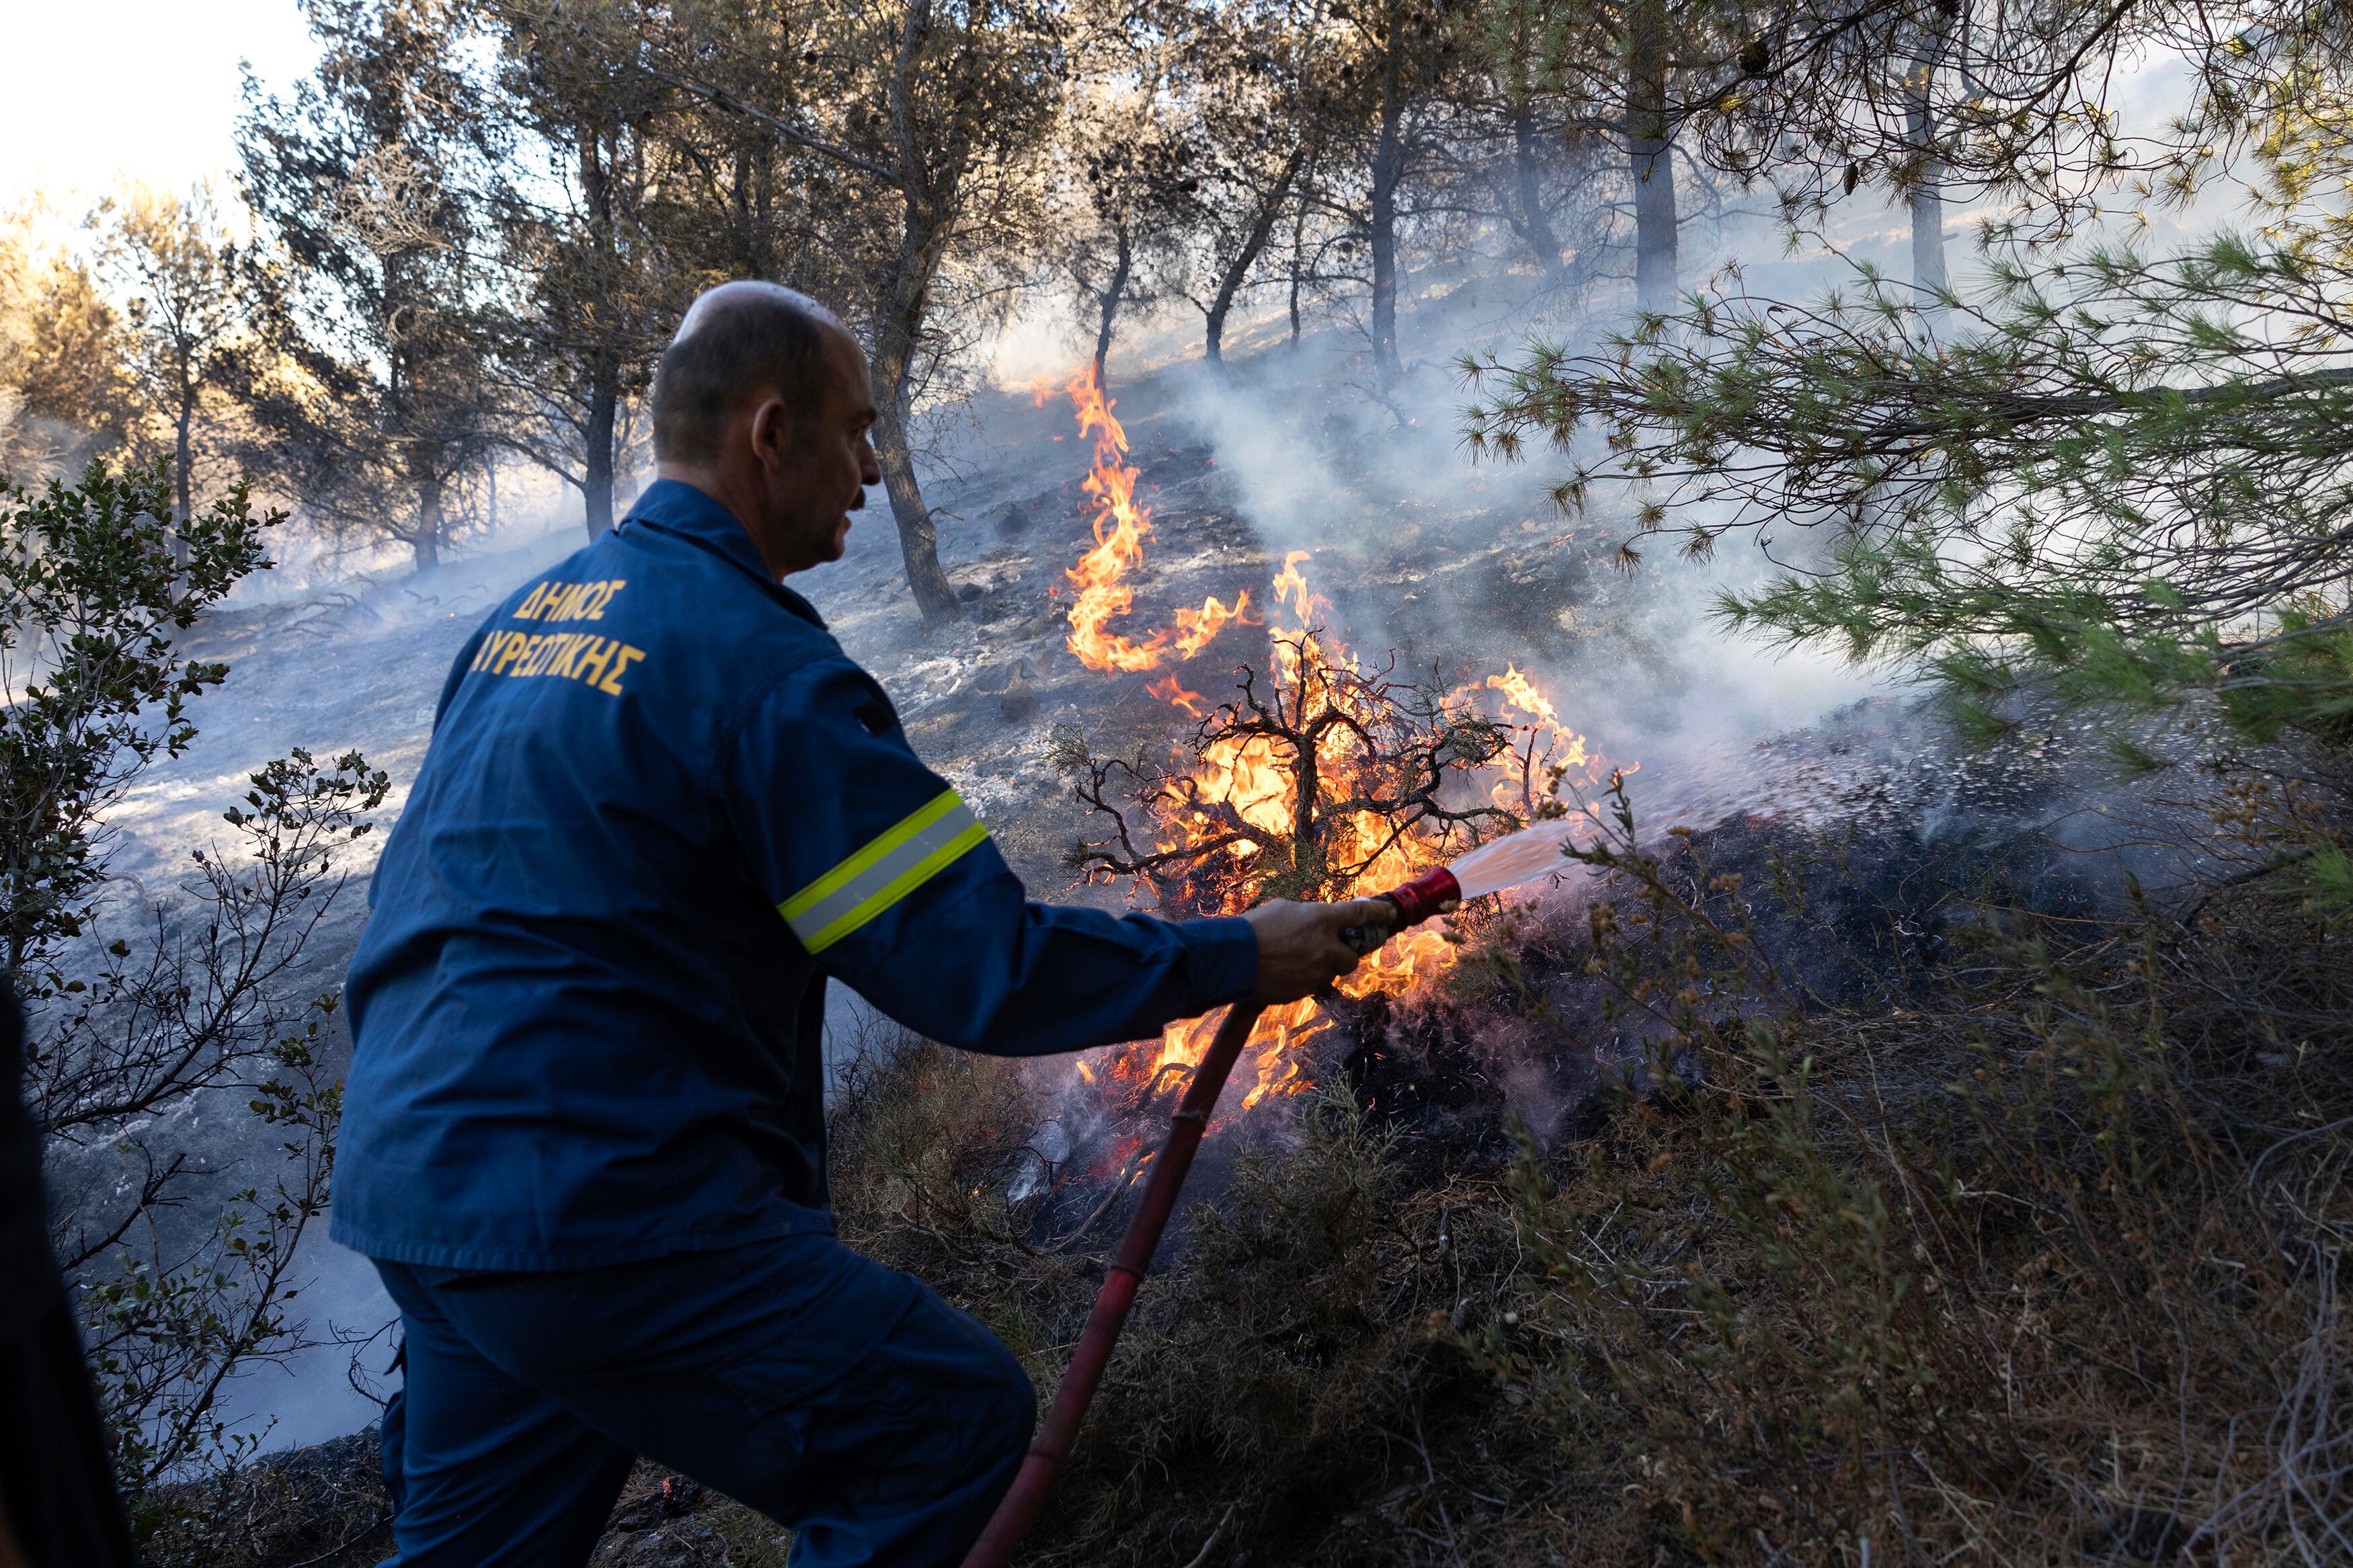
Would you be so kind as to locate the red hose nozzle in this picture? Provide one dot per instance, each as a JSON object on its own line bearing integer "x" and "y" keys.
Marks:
{"x": 1433, "y": 893}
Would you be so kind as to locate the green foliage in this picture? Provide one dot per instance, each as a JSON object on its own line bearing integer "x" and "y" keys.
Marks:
{"x": 2116, "y": 482}
{"x": 91, "y": 590}
{"x": 97, "y": 591}
{"x": 166, "y": 1326}
{"x": 2331, "y": 877}
{"x": 2110, "y": 487}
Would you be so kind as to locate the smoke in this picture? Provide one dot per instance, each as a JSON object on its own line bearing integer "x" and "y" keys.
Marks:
{"x": 1430, "y": 552}
{"x": 1421, "y": 549}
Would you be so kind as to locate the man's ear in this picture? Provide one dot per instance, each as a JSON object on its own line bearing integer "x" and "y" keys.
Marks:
{"x": 773, "y": 431}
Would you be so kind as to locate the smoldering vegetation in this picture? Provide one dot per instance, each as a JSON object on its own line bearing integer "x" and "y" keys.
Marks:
{"x": 1974, "y": 1231}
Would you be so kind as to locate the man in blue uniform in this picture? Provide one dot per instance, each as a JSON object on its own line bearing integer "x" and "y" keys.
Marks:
{"x": 584, "y": 1141}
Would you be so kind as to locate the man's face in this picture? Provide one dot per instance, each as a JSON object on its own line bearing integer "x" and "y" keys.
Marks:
{"x": 817, "y": 471}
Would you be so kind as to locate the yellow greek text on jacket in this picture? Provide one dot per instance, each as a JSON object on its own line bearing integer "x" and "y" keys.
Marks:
{"x": 569, "y": 601}
{"x": 599, "y": 661}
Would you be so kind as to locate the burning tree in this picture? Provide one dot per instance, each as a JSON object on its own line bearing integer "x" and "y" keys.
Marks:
{"x": 1318, "y": 779}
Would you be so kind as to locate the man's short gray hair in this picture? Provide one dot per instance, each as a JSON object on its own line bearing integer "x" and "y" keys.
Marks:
{"x": 738, "y": 340}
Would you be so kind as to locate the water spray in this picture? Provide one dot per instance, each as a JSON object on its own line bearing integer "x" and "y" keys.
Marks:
{"x": 1440, "y": 890}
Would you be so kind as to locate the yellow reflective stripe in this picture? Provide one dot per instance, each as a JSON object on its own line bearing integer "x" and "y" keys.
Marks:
{"x": 896, "y": 863}
{"x": 849, "y": 871}
{"x": 899, "y": 886}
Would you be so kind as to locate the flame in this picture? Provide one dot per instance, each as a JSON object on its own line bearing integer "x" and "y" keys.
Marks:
{"x": 1291, "y": 588}
{"x": 1169, "y": 690}
{"x": 1550, "y": 754}
{"x": 1122, "y": 524}
{"x": 1244, "y": 778}
{"x": 1248, "y": 777}
{"x": 1521, "y": 693}
{"x": 1120, "y": 527}
{"x": 1196, "y": 629}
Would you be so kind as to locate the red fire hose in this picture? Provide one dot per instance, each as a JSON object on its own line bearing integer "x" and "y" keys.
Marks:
{"x": 1433, "y": 892}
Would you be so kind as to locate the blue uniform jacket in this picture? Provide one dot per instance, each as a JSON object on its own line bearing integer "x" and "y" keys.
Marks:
{"x": 660, "y": 807}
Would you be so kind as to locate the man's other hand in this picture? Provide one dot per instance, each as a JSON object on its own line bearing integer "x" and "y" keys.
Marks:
{"x": 1298, "y": 947}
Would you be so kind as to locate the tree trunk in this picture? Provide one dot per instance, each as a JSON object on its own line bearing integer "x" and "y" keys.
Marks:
{"x": 895, "y": 333}
{"x": 597, "y": 478}
{"x": 183, "y": 502}
{"x": 425, "y": 544}
{"x": 1238, "y": 269}
{"x": 919, "y": 540}
{"x": 184, "y": 506}
{"x": 1651, "y": 141}
{"x": 930, "y": 192}
{"x": 1387, "y": 175}
{"x": 1535, "y": 225}
{"x": 1926, "y": 198}
{"x": 604, "y": 365}
{"x": 1111, "y": 298}
{"x": 1295, "y": 306}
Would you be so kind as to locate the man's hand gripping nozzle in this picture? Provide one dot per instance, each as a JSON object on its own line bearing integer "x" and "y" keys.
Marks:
{"x": 1433, "y": 893}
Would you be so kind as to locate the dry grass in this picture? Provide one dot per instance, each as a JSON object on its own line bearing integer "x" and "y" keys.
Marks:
{"x": 2040, "y": 1267}
{"x": 323, "y": 1507}
{"x": 2042, "y": 1270}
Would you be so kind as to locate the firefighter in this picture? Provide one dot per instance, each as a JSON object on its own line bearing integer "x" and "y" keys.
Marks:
{"x": 585, "y": 1135}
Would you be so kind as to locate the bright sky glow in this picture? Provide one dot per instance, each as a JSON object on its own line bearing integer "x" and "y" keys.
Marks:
{"x": 100, "y": 89}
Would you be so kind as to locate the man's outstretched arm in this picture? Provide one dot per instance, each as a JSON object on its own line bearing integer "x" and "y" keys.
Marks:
{"x": 889, "y": 880}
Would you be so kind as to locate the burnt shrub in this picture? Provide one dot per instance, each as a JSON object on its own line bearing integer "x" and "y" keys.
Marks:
{"x": 2013, "y": 1274}
{"x": 2029, "y": 1253}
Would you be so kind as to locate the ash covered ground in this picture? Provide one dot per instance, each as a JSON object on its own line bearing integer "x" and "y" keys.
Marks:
{"x": 1452, "y": 566}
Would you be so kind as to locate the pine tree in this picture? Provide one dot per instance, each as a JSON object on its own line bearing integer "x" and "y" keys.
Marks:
{"x": 2117, "y": 481}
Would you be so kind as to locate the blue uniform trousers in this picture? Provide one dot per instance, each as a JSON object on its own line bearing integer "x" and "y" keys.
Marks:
{"x": 837, "y": 1396}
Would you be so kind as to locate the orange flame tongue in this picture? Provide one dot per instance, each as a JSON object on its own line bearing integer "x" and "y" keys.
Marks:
{"x": 1122, "y": 524}
{"x": 1520, "y": 692}
{"x": 1170, "y": 689}
{"x": 1120, "y": 528}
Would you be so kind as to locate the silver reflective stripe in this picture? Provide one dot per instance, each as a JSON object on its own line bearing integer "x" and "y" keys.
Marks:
{"x": 895, "y": 864}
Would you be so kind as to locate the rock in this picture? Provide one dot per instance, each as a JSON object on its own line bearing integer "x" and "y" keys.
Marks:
{"x": 1018, "y": 702}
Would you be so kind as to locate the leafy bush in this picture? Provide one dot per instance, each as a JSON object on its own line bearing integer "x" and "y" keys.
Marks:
{"x": 195, "y": 999}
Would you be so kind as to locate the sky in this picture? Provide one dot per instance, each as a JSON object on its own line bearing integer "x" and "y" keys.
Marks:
{"x": 148, "y": 88}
